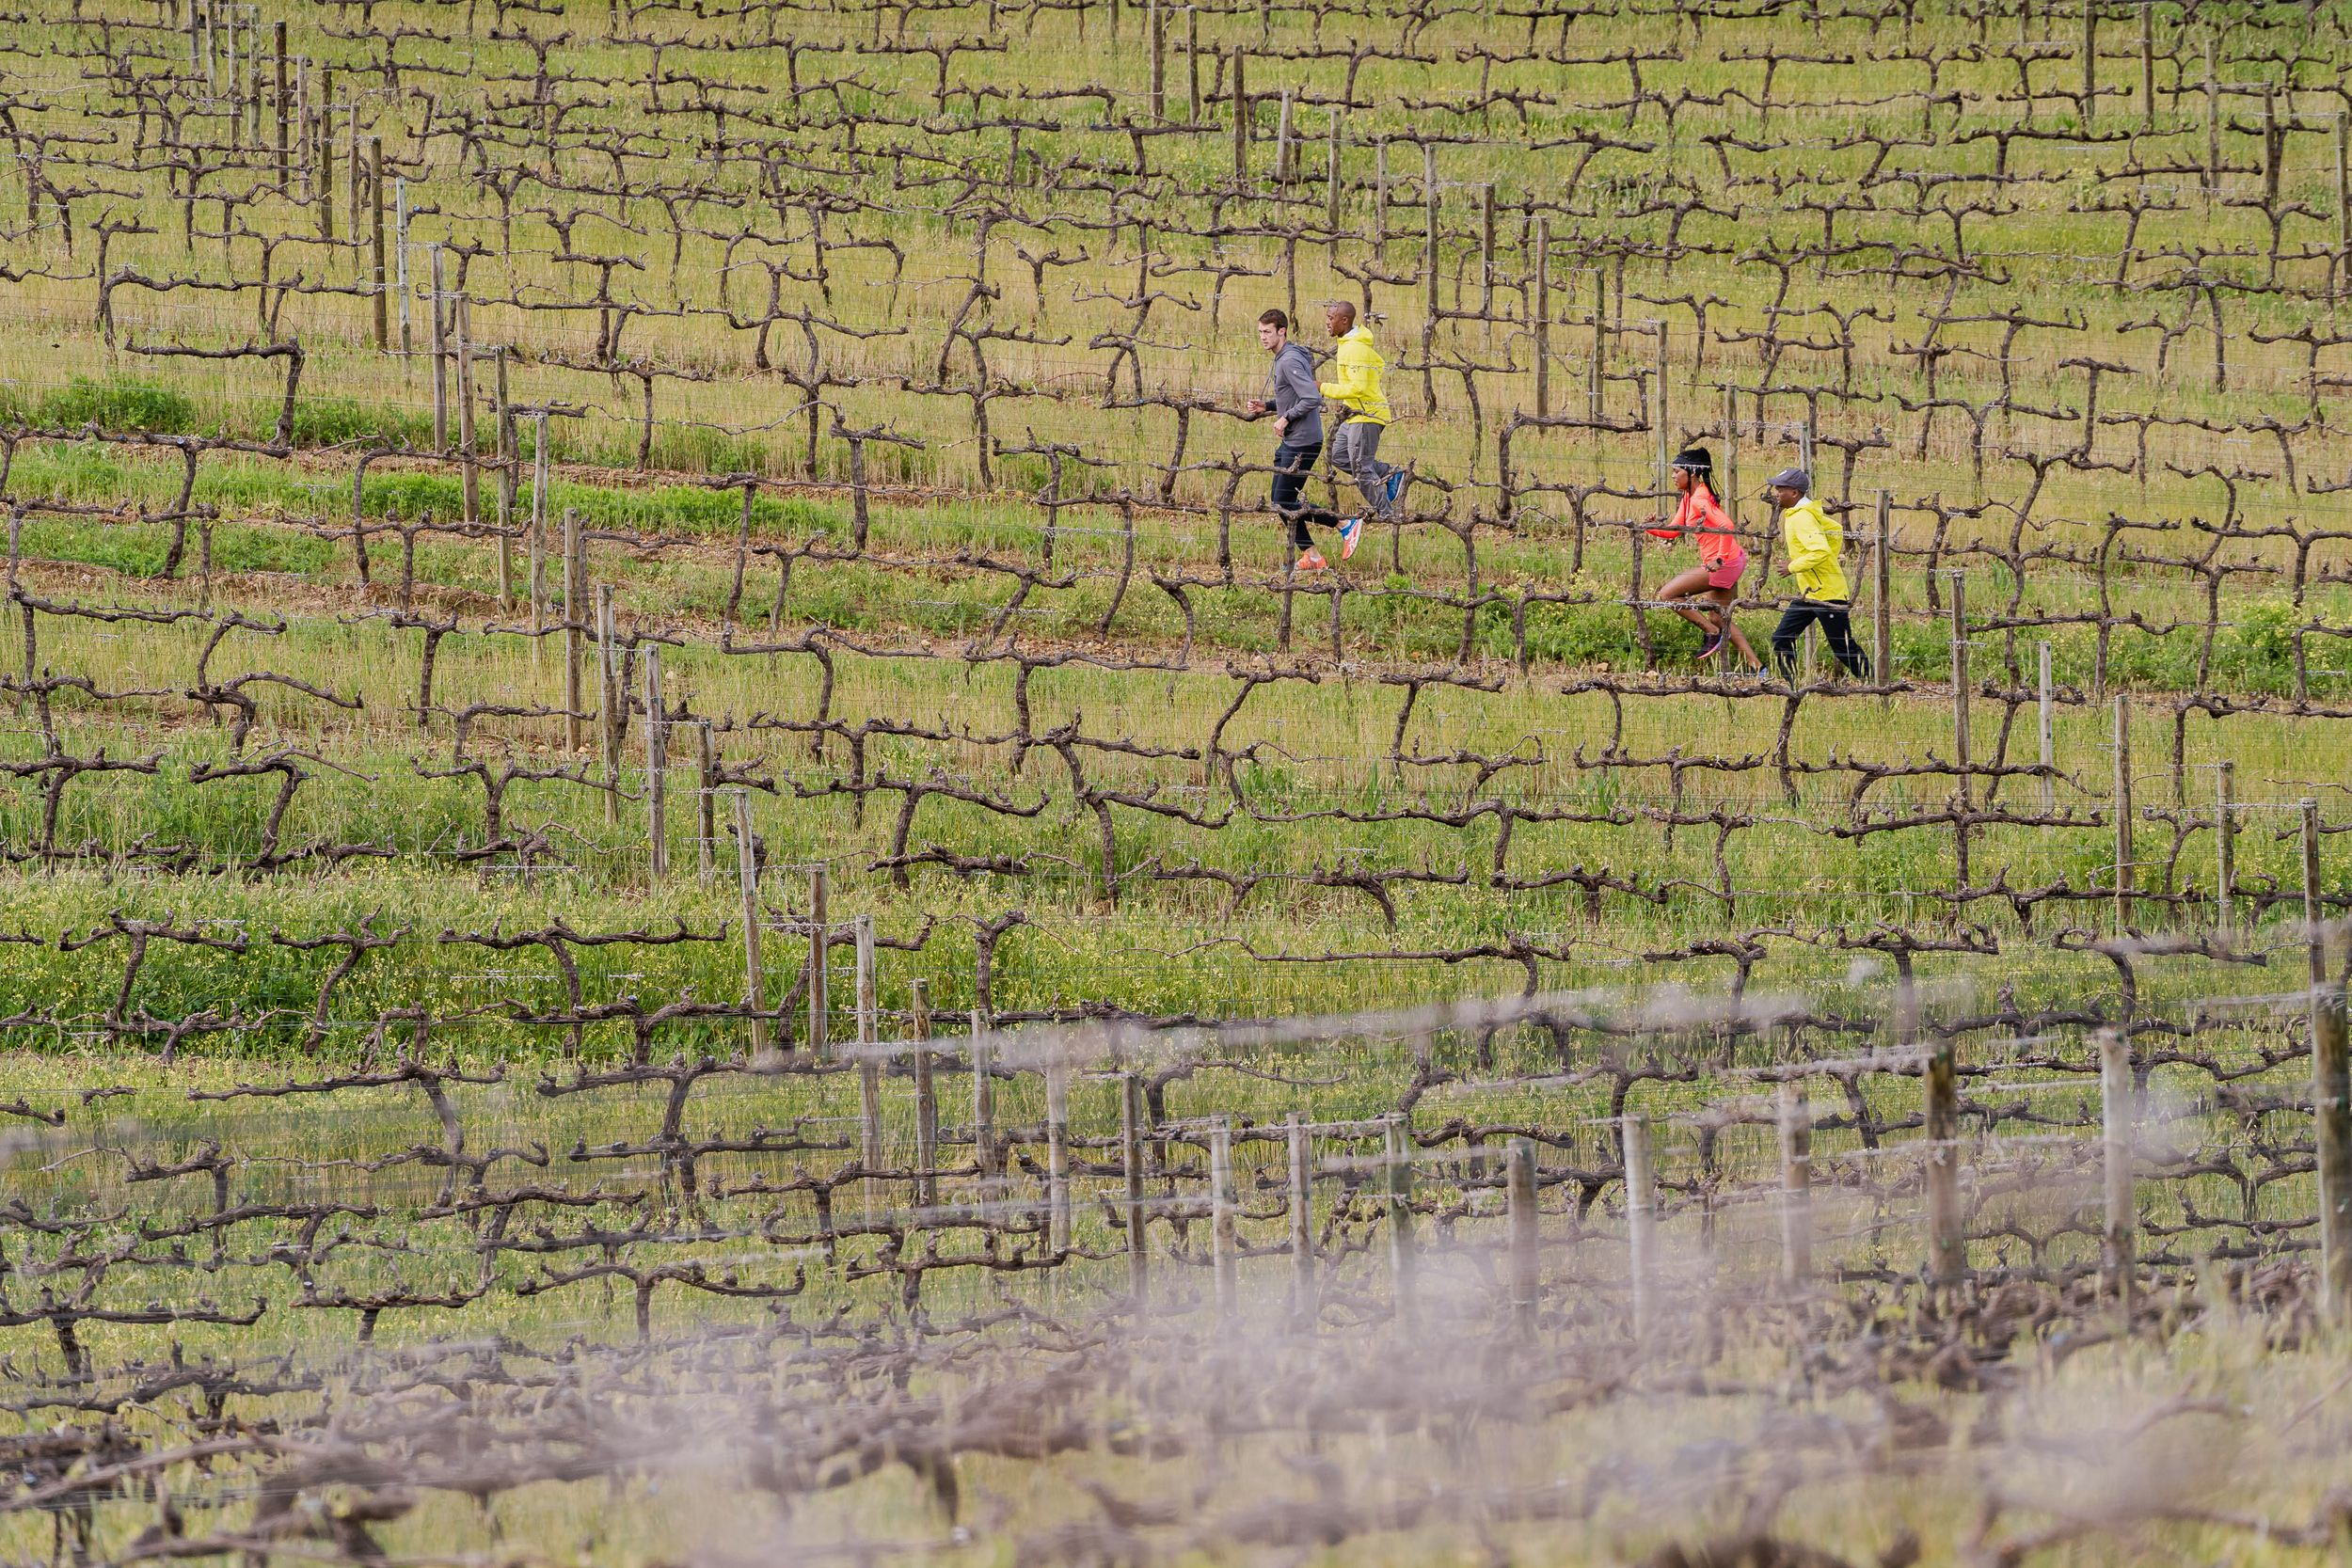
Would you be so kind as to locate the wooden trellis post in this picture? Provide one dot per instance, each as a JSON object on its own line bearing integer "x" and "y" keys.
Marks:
{"x": 1157, "y": 28}
{"x": 1058, "y": 1155}
{"x": 2122, "y": 805}
{"x": 2331, "y": 1088}
{"x": 1948, "y": 1245}
{"x": 574, "y": 634}
{"x": 2224, "y": 848}
{"x": 2118, "y": 1250}
{"x": 657, "y": 771}
{"x": 1402, "y": 1247}
{"x": 612, "y": 703}
{"x": 1302, "y": 1218}
{"x": 869, "y": 1064}
{"x": 2043, "y": 703}
{"x": 507, "y": 456}
{"x": 1796, "y": 1184}
{"x": 1595, "y": 368}
{"x": 469, "y": 465}
{"x": 1131, "y": 1152}
{"x": 984, "y": 1096}
{"x": 539, "y": 533}
{"x": 438, "y": 338}
{"x": 1224, "y": 1239}
{"x": 925, "y": 1100}
{"x": 705, "y": 799}
{"x": 1542, "y": 314}
{"x": 2090, "y": 62}
{"x": 1526, "y": 1262}
{"x": 1641, "y": 1218}
{"x": 377, "y": 250}
{"x": 747, "y": 876}
{"x": 1882, "y": 595}
{"x": 820, "y": 959}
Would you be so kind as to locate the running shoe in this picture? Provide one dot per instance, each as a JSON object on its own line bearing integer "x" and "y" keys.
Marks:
{"x": 1350, "y": 531}
{"x": 1396, "y": 486}
{"x": 1714, "y": 645}
{"x": 1312, "y": 560}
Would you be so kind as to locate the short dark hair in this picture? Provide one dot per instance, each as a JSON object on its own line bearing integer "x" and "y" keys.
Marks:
{"x": 1342, "y": 305}
{"x": 1277, "y": 318}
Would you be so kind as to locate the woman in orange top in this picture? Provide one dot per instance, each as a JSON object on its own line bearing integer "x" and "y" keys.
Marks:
{"x": 1716, "y": 578}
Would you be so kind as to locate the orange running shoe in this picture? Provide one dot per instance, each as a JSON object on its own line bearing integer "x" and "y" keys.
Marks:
{"x": 1350, "y": 531}
{"x": 1312, "y": 560}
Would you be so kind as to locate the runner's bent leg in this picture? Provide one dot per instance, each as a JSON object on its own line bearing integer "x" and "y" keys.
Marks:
{"x": 1362, "y": 462}
{"x": 1793, "y": 621}
{"x": 1837, "y": 628}
{"x": 1721, "y": 598}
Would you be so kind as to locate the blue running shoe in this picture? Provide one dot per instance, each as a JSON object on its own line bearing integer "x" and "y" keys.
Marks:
{"x": 1350, "y": 531}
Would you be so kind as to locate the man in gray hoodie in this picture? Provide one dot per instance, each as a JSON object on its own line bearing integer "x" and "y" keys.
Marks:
{"x": 1298, "y": 410}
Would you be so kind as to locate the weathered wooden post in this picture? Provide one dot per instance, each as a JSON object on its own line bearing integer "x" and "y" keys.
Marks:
{"x": 869, "y": 1064}
{"x": 1662, "y": 430}
{"x": 1594, "y": 371}
{"x": 468, "y": 455}
{"x": 1058, "y": 1155}
{"x": 1947, "y": 1247}
{"x": 1334, "y": 189}
{"x": 2090, "y": 62}
{"x": 1641, "y": 1218}
{"x": 378, "y": 251}
{"x": 1156, "y": 27}
{"x": 1131, "y": 1148}
{"x": 2118, "y": 1248}
{"x": 400, "y": 272}
{"x": 657, "y": 771}
{"x": 1526, "y": 1262}
{"x": 1795, "y": 1184}
{"x": 1541, "y": 310}
{"x": 1224, "y": 1239}
{"x": 438, "y": 337}
{"x": 1241, "y": 120}
{"x": 284, "y": 105}
{"x": 2148, "y": 67}
{"x": 2123, "y": 868}
{"x": 925, "y": 1100}
{"x": 705, "y": 800}
{"x": 2043, "y": 703}
{"x": 611, "y": 702}
{"x": 1192, "y": 64}
{"x": 507, "y": 458}
{"x": 755, "y": 979}
{"x": 539, "y": 535}
{"x": 2213, "y": 118}
{"x": 2224, "y": 848}
{"x": 1403, "y": 1250}
{"x": 576, "y": 629}
{"x": 1302, "y": 1218}
{"x": 1883, "y": 594}
{"x": 1965, "y": 782}
{"x": 984, "y": 1095}
{"x": 2331, "y": 1088}
{"x": 820, "y": 958}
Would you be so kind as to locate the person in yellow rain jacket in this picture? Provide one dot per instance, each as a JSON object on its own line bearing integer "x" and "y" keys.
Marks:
{"x": 1363, "y": 409}
{"x": 1813, "y": 539}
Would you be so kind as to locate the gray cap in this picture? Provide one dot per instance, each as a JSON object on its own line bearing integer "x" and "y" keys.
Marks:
{"x": 1795, "y": 479}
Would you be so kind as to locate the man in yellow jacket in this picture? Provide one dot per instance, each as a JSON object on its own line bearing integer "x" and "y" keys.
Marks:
{"x": 1363, "y": 410}
{"x": 1813, "y": 539}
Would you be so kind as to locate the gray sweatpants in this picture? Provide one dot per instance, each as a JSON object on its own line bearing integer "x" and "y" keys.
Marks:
{"x": 1356, "y": 451}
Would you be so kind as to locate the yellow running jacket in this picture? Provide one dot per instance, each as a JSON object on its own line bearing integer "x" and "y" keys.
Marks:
{"x": 1357, "y": 388}
{"x": 1814, "y": 539}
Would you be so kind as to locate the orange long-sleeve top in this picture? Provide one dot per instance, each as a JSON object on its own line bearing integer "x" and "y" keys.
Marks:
{"x": 1702, "y": 513}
